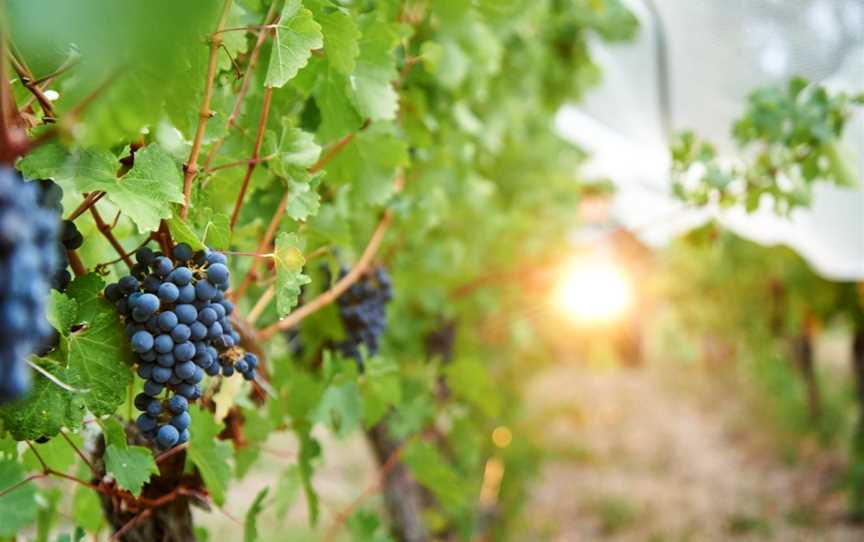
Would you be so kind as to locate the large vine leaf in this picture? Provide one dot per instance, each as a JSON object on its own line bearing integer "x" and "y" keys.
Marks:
{"x": 131, "y": 466}
{"x": 209, "y": 454}
{"x": 372, "y": 81}
{"x": 289, "y": 271}
{"x": 370, "y": 163}
{"x": 46, "y": 408}
{"x": 297, "y": 34}
{"x": 85, "y": 291}
{"x": 144, "y": 194}
{"x": 304, "y": 200}
{"x": 18, "y": 507}
{"x": 341, "y": 37}
{"x": 435, "y": 474}
{"x": 97, "y": 363}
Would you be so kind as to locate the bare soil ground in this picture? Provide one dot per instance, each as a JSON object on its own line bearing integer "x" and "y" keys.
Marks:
{"x": 639, "y": 459}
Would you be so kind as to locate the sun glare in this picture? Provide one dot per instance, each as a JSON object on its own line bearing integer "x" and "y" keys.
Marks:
{"x": 593, "y": 291}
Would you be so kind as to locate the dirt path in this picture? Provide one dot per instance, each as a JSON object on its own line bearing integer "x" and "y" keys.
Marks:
{"x": 637, "y": 461}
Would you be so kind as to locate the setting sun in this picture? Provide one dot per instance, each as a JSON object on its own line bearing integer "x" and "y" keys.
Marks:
{"x": 593, "y": 291}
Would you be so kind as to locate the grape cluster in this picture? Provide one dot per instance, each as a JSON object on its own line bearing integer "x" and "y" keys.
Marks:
{"x": 50, "y": 197}
{"x": 363, "y": 310}
{"x": 177, "y": 320}
{"x": 440, "y": 341}
{"x": 28, "y": 259}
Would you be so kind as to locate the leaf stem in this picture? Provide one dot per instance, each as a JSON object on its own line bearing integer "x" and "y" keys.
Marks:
{"x": 338, "y": 289}
{"x": 191, "y": 167}
{"x": 105, "y": 230}
{"x": 79, "y": 452}
{"x": 29, "y": 82}
{"x": 256, "y": 151}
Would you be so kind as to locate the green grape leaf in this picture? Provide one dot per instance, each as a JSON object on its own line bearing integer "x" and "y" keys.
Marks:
{"x": 114, "y": 433}
{"x": 56, "y": 453}
{"x": 341, "y": 407}
{"x": 370, "y": 163}
{"x": 209, "y": 454}
{"x": 250, "y": 524}
{"x": 289, "y": 271}
{"x": 46, "y": 408}
{"x": 86, "y": 291}
{"x": 469, "y": 380}
{"x": 366, "y": 526}
{"x": 17, "y": 507}
{"x": 304, "y": 200}
{"x": 98, "y": 363}
{"x": 146, "y": 192}
{"x": 380, "y": 388}
{"x": 297, "y": 148}
{"x": 63, "y": 312}
{"x": 182, "y": 232}
{"x": 431, "y": 469}
{"x": 287, "y": 487}
{"x": 373, "y": 77}
{"x": 131, "y": 466}
{"x": 310, "y": 449}
{"x": 297, "y": 34}
{"x": 338, "y": 115}
{"x": 341, "y": 37}
{"x": 87, "y": 509}
{"x": 217, "y": 231}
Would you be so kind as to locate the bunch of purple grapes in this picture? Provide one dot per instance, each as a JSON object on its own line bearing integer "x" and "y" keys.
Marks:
{"x": 28, "y": 260}
{"x": 177, "y": 319}
{"x": 363, "y": 310}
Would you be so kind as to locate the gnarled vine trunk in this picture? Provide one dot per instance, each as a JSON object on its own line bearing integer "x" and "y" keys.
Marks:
{"x": 171, "y": 519}
{"x": 802, "y": 353}
{"x": 403, "y": 496}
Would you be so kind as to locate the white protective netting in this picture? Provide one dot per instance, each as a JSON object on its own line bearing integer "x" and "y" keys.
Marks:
{"x": 718, "y": 52}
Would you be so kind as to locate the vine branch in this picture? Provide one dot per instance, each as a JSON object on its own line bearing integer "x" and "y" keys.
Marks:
{"x": 191, "y": 167}
{"x": 105, "y": 230}
{"x": 256, "y": 151}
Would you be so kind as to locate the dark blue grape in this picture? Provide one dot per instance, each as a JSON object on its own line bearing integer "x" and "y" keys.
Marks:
{"x": 178, "y": 404}
{"x": 181, "y": 333}
{"x": 142, "y": 341}
{"x": 113, "y": 293}
{"x": 184, "y": 351}
{"x": 154, "y": 408}
{"x": 166, "y": 360}
{"x": 164, "y": 344}
{"x": 167, "y": 436}
{"x": 148, "y": 303}
{"x": 217, "y": 273}
{"x": 145, "y": 422}
{"x": 184, "y": 437}
{"x": 167, "y": 320}
{"x": 161, "y": 374}
{"x": 181, "y": 421}
{"x": 186, "y": 313}
{"x": 141, "y": 401}
{"x": 207, "y": 316}
{"x": 197, "y": 331}
{"x": 182, "y": 252}
{"x": 216, "y": 258}
{"x": 128, "y": 284}
{"x": 162, "y": 266}
{"x": 204, "y": 290}
{"x": 181, "y": 276}
{"x": 144, "y": 255}
{"x": 185, "y": 370}
{"x": 145, "y": 371}
{"x": 215, "y": 331}
{"x": 168, "y": 292}
{"x": 187, "y": 294}
{"x": 148, "y": 357}
{"x": 151, "y": 284}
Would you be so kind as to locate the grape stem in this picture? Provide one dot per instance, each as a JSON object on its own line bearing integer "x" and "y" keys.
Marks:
{"x": 79, "y": 452}
{"x": 30, "y": 83}
{"x": 191, "y": 167}
{"x": 338, "y": 289}
{"x": 76, "y": 263}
